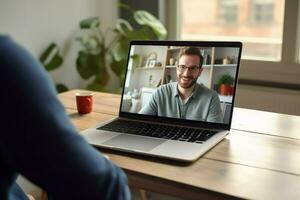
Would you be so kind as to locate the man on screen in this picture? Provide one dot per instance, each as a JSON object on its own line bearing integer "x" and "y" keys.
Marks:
{"x": 186, "y": 98}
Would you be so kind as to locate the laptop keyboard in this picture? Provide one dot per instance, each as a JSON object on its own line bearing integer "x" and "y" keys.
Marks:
{"x": 159, "y": 131}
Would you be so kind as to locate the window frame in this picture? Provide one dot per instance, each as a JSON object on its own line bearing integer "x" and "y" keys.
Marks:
{"x": 284, "y": 73}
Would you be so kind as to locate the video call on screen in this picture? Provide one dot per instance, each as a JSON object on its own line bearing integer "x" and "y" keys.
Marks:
{"x": 151, "y": 66}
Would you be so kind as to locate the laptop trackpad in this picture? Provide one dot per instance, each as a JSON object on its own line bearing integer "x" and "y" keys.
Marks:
{"x": 131, "y": 142}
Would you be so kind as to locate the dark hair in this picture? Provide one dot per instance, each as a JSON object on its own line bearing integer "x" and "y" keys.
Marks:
{"x": 192, "y": 51}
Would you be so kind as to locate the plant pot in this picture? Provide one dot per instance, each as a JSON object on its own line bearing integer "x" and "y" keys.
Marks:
{"x": 225, "y": 89}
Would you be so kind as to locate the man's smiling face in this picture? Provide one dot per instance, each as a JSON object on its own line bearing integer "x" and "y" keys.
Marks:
{"x": 188, "y": 70}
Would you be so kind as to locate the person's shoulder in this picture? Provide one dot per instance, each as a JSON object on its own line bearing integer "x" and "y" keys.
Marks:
{"x": 11, "y": 51}
{"x": 205, "y": 90}
{"x": 4, "y": 37}
{"x": 4, "y": 41}
{"x": 167, "y": 88}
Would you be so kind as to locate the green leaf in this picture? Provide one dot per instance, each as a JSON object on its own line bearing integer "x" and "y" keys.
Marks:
{"x": 123, "y": 27}
{"x": 55, "y": 63}
{"x": 95, "y": 86}
{"x": 50, "y": 58}
{"x": 102, "y": 77}
{"x": 88, "y": 23}
{"x": 61, "y": 88}
{"x": 226, "y": 79}
{"x": 119, "y": 67}
{"x": 88, "y": 64}
{"x": 141, "y": 34}
{"x": 143, "y": 17}
{"x": 92, "y": 44}
{"x": 135, "y": 57}
{"x": 122, "y": 79}
{"x": 120, "y": 49}
{"x": 136, "y": 60}
{"x": 46, "y": 52}
{"x": 126, "y": 7}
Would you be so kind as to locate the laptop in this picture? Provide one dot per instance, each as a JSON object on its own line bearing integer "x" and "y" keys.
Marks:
{"x": 155, "y": 117}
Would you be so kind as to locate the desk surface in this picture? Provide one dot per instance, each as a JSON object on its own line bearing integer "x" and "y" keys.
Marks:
{"x": 259, "y": 159}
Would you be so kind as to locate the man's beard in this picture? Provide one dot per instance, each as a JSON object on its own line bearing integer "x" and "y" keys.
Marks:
{"x": 192, "y": 81}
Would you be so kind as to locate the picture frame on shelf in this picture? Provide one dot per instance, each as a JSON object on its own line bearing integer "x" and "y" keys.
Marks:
{"x": 151, "y": 63}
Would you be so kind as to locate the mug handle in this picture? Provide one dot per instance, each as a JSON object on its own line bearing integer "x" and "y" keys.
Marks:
{"x": 89, "y": 101}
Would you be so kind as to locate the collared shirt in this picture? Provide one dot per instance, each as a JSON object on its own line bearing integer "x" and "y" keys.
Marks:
{"x": 202, "y": 105}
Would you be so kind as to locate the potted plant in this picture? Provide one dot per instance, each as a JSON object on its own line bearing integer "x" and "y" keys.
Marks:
{"x": 102, "y": 61}
{"x": 225, "y": 84}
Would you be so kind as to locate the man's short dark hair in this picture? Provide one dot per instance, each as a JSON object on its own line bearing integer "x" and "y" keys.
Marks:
{"x": 192, "y": 51}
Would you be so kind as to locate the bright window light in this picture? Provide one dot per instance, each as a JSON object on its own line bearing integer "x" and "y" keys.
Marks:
{"x": 256, "y": 23}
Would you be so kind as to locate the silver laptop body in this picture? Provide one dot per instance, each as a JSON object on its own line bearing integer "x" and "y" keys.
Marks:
{"x": 219, "y": 58}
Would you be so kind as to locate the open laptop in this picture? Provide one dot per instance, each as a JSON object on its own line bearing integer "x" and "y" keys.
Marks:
{"x": 154, "y": 119}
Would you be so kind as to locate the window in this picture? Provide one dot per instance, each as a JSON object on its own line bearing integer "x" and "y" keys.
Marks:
{"x": 218, "y": 16}
{"x": 262, "y": 11}
{"x": 270, "y": 51}
{"x": 228, "y": 11}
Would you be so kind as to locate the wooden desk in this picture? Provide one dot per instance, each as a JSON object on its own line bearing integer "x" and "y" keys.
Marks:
{"x": 259, "y": 159}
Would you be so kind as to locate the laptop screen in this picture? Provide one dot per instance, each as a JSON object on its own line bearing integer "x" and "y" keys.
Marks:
{"x": 193, "y": 81}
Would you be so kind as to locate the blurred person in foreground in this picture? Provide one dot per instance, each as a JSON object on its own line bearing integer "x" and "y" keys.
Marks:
{"x": 38, "y": 140}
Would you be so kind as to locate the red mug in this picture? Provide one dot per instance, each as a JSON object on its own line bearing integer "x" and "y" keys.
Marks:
{"x": 84, "y": 102}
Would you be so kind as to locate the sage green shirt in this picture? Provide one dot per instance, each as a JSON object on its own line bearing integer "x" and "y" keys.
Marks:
{"x": 202, "y": 105}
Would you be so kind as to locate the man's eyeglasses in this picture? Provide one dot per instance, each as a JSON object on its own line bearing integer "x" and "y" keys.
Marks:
{"x": 182, "y": 68}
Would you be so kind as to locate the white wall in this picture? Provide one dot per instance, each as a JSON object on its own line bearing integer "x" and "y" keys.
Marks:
{"x": 36, "y": 23}
{"x": 140, "y": 78}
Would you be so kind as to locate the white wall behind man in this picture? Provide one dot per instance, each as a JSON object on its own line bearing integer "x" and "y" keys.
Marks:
{"x": 36, "y": 23}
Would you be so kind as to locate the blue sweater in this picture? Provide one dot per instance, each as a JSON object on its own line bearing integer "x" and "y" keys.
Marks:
{"x": 38, "y": 140}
